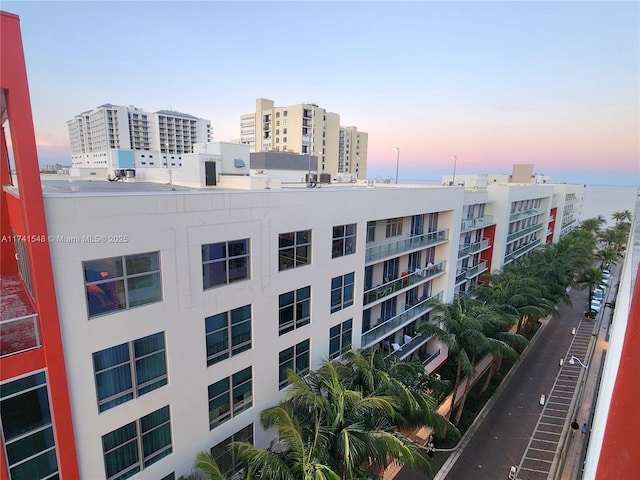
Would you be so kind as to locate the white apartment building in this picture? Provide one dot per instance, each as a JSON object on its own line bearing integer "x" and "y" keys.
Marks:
{"x": 307, "y": 129}
{"x": 114, "y": 138}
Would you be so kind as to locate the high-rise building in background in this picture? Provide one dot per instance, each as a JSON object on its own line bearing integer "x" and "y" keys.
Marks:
{"x": 114, "y": 137}
{"x": 307, "y": 129}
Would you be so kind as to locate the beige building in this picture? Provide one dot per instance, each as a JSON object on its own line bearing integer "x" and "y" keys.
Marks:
{"x": 306, "y": 128}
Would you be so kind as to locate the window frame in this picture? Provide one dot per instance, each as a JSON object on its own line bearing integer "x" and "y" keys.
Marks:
{"x": 344, "y": 335}
{"x": 103, "y": 287}
{"x": 342, "y": 291}
{"x": 231, "y": 323}
{"x": 228, "y": 260}
{"x": 343, "y": 241}
{"x": 139, "y": 431}
{"x": 300, "y": 307}
{"x": 225, "y": 456}
{"x": 289, "y": 255}
{"x": 292, "y": 362}
{"x": 231, "y": 388}
{"x": 393, "y": 227}
{"x": 137, "y": 389}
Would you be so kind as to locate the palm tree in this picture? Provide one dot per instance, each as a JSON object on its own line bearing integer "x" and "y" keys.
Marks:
{"x": 591, "y": 278}
{"x": 458, "y": 325}
{"x": 593, "y": 225}
{"x": 608, "y": 256}
{"x": 621, "y": 216}
{"x": 208, "y": 466}
{"x": 327, "y": 431}
{"x": 369, "y": 372}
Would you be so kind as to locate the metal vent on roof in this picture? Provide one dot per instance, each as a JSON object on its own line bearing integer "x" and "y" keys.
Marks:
{"x": 238, "y": 163}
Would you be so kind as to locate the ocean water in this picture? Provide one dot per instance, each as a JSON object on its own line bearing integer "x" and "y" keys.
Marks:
{"x": 606, "y": 199}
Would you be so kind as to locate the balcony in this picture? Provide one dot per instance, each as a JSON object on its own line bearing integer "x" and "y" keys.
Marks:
{"x": 470, "y": 248}
{"x": 475, "y": 271}
{"x": 521, "y": 233}
{"x": 406, "y": 244}
{"x": 521, "y": 251}
{"x": 19, "y": 330}
{"x": 524, "y": 214}
{"x": 417, "y": 277}
{"x": 409, "y": 346}
{"x": 475, "y": 223}
{"x": 409, "y": 314}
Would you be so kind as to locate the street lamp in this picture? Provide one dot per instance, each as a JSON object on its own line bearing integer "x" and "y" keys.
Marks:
{"x": 397, "y": 149}
{"x": 574, "y": 359}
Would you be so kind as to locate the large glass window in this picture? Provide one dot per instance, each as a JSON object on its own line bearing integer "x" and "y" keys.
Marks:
{"x": 340, "y": 338}
{"x": 226, "y": 456}
{"x": 228, "y": 334}
{"x": 342, "y": 292}
{"x": 27, "y": 429}
{"x": 371, "y": 232}
{"x": 122, "y": 282}
{"x": 294, "y": 309}
{"x": 294, "y": 359}
{"x": 225, "y": 262}
{"x": 294, "y": 249}
{"x": 393, "y": 227}
{"x": 230, "y": 396}
{"x": 135, "y": 446}
{"x": 344, "y": 240}
{"x": 129, "y": 370}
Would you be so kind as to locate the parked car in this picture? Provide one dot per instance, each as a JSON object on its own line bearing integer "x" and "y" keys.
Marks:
{"x": 595, "y": 305}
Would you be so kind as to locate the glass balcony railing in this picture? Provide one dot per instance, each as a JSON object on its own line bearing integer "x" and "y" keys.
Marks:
{"x": 410, "y": 346}
{"x": 470, "y": 248}
{"x": 406, "y": 244}
{"x": 521, "y": 233}
{"x": 522, "y": 250}
{"x": 477, "y": 270}
{"x": 475, "y": 223}
{"x": 524, "y": 214}
{"x": 409, "y": 313}
{"x": 19, "y": 334}
{"x": 417, "y": 277}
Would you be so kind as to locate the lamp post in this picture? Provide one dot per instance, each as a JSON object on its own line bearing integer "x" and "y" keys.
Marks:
{"x": 574, "y": 359}
{"x": 397, "y": 149}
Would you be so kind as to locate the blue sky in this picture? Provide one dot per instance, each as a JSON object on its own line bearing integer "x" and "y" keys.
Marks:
{"x": 556, "y": 84}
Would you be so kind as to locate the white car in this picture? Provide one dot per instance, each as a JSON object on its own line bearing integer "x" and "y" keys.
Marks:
{"x": 595, "y": 305}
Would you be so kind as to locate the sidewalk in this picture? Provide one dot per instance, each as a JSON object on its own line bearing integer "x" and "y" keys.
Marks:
{"x": 572, "y": 455}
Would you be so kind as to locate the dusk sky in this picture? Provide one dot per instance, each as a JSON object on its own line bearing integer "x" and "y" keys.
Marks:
{"x": 556, "y": 84}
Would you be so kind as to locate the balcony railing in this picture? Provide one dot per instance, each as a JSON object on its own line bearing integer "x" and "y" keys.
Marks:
{"x": 19, "y": 334}
{"x": 477, "y": 270}
{"x": 410, "y": 346}
{"x": 469, "y": 248}
{"x": 410, "y": 313}
{"x": 475, "y": 223}
{"x": 522, "y": 250}
{"x": 524, "y": 214}
{"x": 523, "y": 232}
{"x": 389, "y": 288}
{"x": 406, "y": 244}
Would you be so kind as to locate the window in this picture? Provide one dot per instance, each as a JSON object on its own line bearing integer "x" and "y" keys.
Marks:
{"x": 344, "y": 240}
{"x": 226, "y": 457}
{"x": 230, "y": 396}
{"x": 371, "y": 232}
{"x": 394, "y": 227}
{"x": 228, "y": 334}
{"x": 342, "y": 292}
{"x": 149, "y": 438}
{"x": 294, "y": 309}
{"x": 295, "y": 359}
{"x": 122, "y": 282}
{"x": 225, "y": 262}
{"x": 340, "y": 338}
{"x": 129, "y": 370}
{"x": 294, "y": 249}
{"x": 27, "y": 429}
